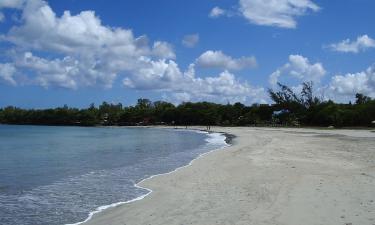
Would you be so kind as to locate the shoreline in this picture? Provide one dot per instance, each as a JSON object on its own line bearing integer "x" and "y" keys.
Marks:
{"x": 100, "y": 209}
{"x": 264, "y": 178}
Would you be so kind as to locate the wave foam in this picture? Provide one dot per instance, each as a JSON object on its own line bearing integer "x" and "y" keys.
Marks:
{"x": 213, "y": 138}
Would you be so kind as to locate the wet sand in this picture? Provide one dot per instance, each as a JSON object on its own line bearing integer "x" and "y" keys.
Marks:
{"x": 267, "y": 177}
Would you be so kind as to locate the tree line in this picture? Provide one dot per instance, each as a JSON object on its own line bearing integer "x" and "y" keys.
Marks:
{"x": 289, "y": 109}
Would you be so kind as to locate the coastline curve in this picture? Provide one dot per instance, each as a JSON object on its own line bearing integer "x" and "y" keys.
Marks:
{"x": 224, "y": 138}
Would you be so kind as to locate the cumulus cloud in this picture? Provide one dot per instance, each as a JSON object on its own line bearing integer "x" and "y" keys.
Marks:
{"x": 300, "y": 68}
{"x": 73, "y": 51}
{"x": 190, "y": 40}
{"x": 217, "y": 12}
{"x": 351, "y": 83}
{"x": 10, "y": 4}
{"x": 163, "y": 50}
{"x": 15, "y": 4}
{"x": 154, "y": 75}
{"x": 93, "y": 54}
{"x": 82, "y": 33}
{"x": 279, "y": 13}
{"x": 7, "y": 72}
{"x": 185, "y": 86}
{"x": 362, "y": 43}
{"x": 217, "y": 59}
{"x": 67, "y": 72}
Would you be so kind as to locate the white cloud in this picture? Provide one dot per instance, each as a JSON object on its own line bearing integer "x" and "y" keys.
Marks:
{"x": 82, "y": 33}
{"x": 154, "y": 75}
{"x": 183, "y": 86}
{"x": 176, "y": 98}
{"x": 7, "y": 72}
{"x": 67, "y": 72}
{"x": 16, "y": 4}
{"x": 191, "y": 40}
{"x": 279, "y": 13}
{"x": 362, "y": 43}
{"x": 217, "y": 59}
{"x": 300, "y": 68}
{"x": 73, "y": 51}
{"x": 163, "y": 50}
{"x": 92, "y": 54}
{"x": 11, "y": 4}
{"x": 217, "y": 12}
{"x": 349, "y": 84}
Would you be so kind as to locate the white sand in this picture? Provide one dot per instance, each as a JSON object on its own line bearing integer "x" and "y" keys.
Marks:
{"x": 269, "y": 176}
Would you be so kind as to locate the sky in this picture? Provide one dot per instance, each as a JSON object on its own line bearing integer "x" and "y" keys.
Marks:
{"x": 78, "y": 52}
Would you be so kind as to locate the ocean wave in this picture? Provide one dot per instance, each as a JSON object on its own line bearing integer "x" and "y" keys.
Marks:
{"x": 213, "y": 139}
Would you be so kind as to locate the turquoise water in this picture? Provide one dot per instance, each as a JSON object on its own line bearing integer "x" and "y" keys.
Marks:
{"x": 58, "y": 175}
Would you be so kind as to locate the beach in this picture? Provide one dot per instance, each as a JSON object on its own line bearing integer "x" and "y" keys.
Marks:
{"x": 267, "y": 176}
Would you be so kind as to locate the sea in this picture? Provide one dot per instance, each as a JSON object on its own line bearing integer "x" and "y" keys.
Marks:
{"x": 63, "y": 175}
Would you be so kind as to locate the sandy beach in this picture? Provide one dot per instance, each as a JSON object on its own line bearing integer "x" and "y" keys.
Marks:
{"x": 267, "y": 177}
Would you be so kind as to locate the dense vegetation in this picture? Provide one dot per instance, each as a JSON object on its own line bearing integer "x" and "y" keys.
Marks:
{"x": 289, "y": 109}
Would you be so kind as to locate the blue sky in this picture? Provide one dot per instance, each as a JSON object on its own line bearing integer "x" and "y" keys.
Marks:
{"x": 221, "y": 51}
